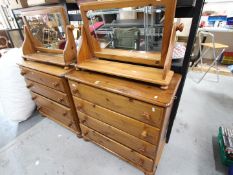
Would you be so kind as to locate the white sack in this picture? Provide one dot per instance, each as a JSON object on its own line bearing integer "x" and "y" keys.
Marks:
{"x": 15, "y": 99}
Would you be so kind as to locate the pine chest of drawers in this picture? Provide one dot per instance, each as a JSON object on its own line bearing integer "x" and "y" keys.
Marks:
{"x": 51, "y": 93}
{"x": 125, "y": 117}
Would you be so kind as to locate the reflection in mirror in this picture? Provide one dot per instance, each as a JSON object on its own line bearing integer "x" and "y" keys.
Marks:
{"x": 48, "y": 29}
{"x": 128, "y": 28}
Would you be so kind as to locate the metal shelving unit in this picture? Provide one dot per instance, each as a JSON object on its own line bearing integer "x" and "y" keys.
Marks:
{"x": 193, "y": 12}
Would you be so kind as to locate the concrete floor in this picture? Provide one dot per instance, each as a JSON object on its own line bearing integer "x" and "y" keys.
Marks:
{"x": 39, "y": 146}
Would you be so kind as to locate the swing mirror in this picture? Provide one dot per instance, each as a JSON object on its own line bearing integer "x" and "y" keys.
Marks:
{"x": 47, "y": 27}
{"x": 129, "y": 31}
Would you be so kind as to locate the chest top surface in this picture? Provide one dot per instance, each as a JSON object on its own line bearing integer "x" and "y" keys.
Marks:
{"x": 141, "y": 91}
{"x": 49, "y": 69}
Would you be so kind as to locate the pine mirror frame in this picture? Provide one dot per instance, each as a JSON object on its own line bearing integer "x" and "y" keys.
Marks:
{"x": 169, "y": 5}
{"x": 45, "y": 10}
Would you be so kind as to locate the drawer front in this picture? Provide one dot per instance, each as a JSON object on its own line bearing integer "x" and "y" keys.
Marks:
{"x": 53, "y": 109}
{"x": 136, "y": 128}
{"x": 52, "y": 94}
{"x": 43, "y": 78}
{"x": 138, "y": 110}
{"x": 132, "y": 142}
{"x": 117, "y": 148}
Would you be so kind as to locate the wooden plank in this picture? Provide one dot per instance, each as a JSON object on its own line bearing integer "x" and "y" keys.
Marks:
{"x": 48, "y": 92}
{"x": 53, "y": 109}
{"x": 140, "y": 57}
{"x": 119, "y": 4}
{"x": 49, "y": 69}
{"x": 138, "y": 129}
{"x": 43, "y": 78}
{"x": 46, "y": 58}
{"x": 117, "y": 148}
{"x": 70, "y": 125}
{"x": 138, "y": 110}
{"x": 140, "y": 91}
{"x": 128, "y": 140}
{"x": 136, "y": 72}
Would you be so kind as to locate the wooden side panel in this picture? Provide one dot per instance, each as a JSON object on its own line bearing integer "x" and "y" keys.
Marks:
{"x": 132, "y": 142}
{"x": 118, "y": 149}
{"x": 129, "y": 125}
{"x": 70, "y": 52}
{"x": 43, "y": 78}
{"x": 47, "y": 92}
{"x": 138, "y": 110}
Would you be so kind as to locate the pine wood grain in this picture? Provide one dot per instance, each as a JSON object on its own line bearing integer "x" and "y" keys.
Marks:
{"x": 48, "y": 92}
{"x": 124, "y": 138}
{"x": 136, "y": 72}
{"x": 118, "y": 148}
{"x": 124, "y": 123}
{"x": 137, "y": 90}
{"x": 53, "y": 109}
{"x": 43, "y": 78}
{"x": 46, "y": 68}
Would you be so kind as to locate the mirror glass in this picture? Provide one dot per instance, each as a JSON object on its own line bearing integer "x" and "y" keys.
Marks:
{"x": 48, "y": 29}
{"x": 131, "y": 28}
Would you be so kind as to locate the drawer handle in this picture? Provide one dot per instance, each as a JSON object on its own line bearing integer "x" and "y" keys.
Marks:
{"x": 64, "y": 113}
{"x": 144, "y": 134}
{"x": 75, "y": 91}
{"x": 142, "y": 150}
{"x": 146, "y": 115}
{"x": 55, "y": 84}
{"x": 141, "y": 161}
{"x": 79, "y": 106}
{"x": 23, "y": 72}
{"x": 60, "y": 100}
{"x": 34, "y": 97}
{"x": 39, "y": 108}
{"x": 70, "y": 124}
{"x": 29, "y": 86}
{"x": 85, "y": 133}
{"x": 84, "y": 120}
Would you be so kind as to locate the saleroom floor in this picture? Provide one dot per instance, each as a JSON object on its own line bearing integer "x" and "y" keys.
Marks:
{"x": 39, "y": 146}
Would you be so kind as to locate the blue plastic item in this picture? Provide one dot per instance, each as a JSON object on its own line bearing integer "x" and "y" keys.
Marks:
{"x": 230, "y": 172}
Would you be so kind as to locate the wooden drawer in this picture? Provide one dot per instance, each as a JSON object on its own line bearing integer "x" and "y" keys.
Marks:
{"x": 119, "y": 149}
{"x": 124, "y": 123}
{"x": 53, "y": 110}
{"x": 47, "y": 92}
{"x": 43, "y": 78}
{"x": 138, "y": 110}
{"x": 132, "y": 142}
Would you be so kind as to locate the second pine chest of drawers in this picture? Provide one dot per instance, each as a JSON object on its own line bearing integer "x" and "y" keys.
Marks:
{"x": 51, "y": 93}
{"x": 125, "y": 117}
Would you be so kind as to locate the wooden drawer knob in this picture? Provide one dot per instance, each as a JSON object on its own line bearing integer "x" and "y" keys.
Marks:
{"x": 79, "y": 106}
{"x": 64, "y": 113}
{"x": 55, "y": 84}
{"x": 75, "y": 91}
{"x": 34, "y": 97}
{"x": 70, "y": 124}
{"x": 84, "y": 120}
{"x": 141, "y": 161}
{"x": 144, "y": 134}
{"x": 85, "y": 133}
{"x": 29, "y": 85}
{"x": 60, "y": 100}
{"x": 39, "y": 108}
{"x": 23, "y": 72}
{"x": 142, "y": 150}
{"x": 146, "y": 115}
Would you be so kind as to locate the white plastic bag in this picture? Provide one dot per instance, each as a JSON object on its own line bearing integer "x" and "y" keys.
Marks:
{"x": 15, "y": 99}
